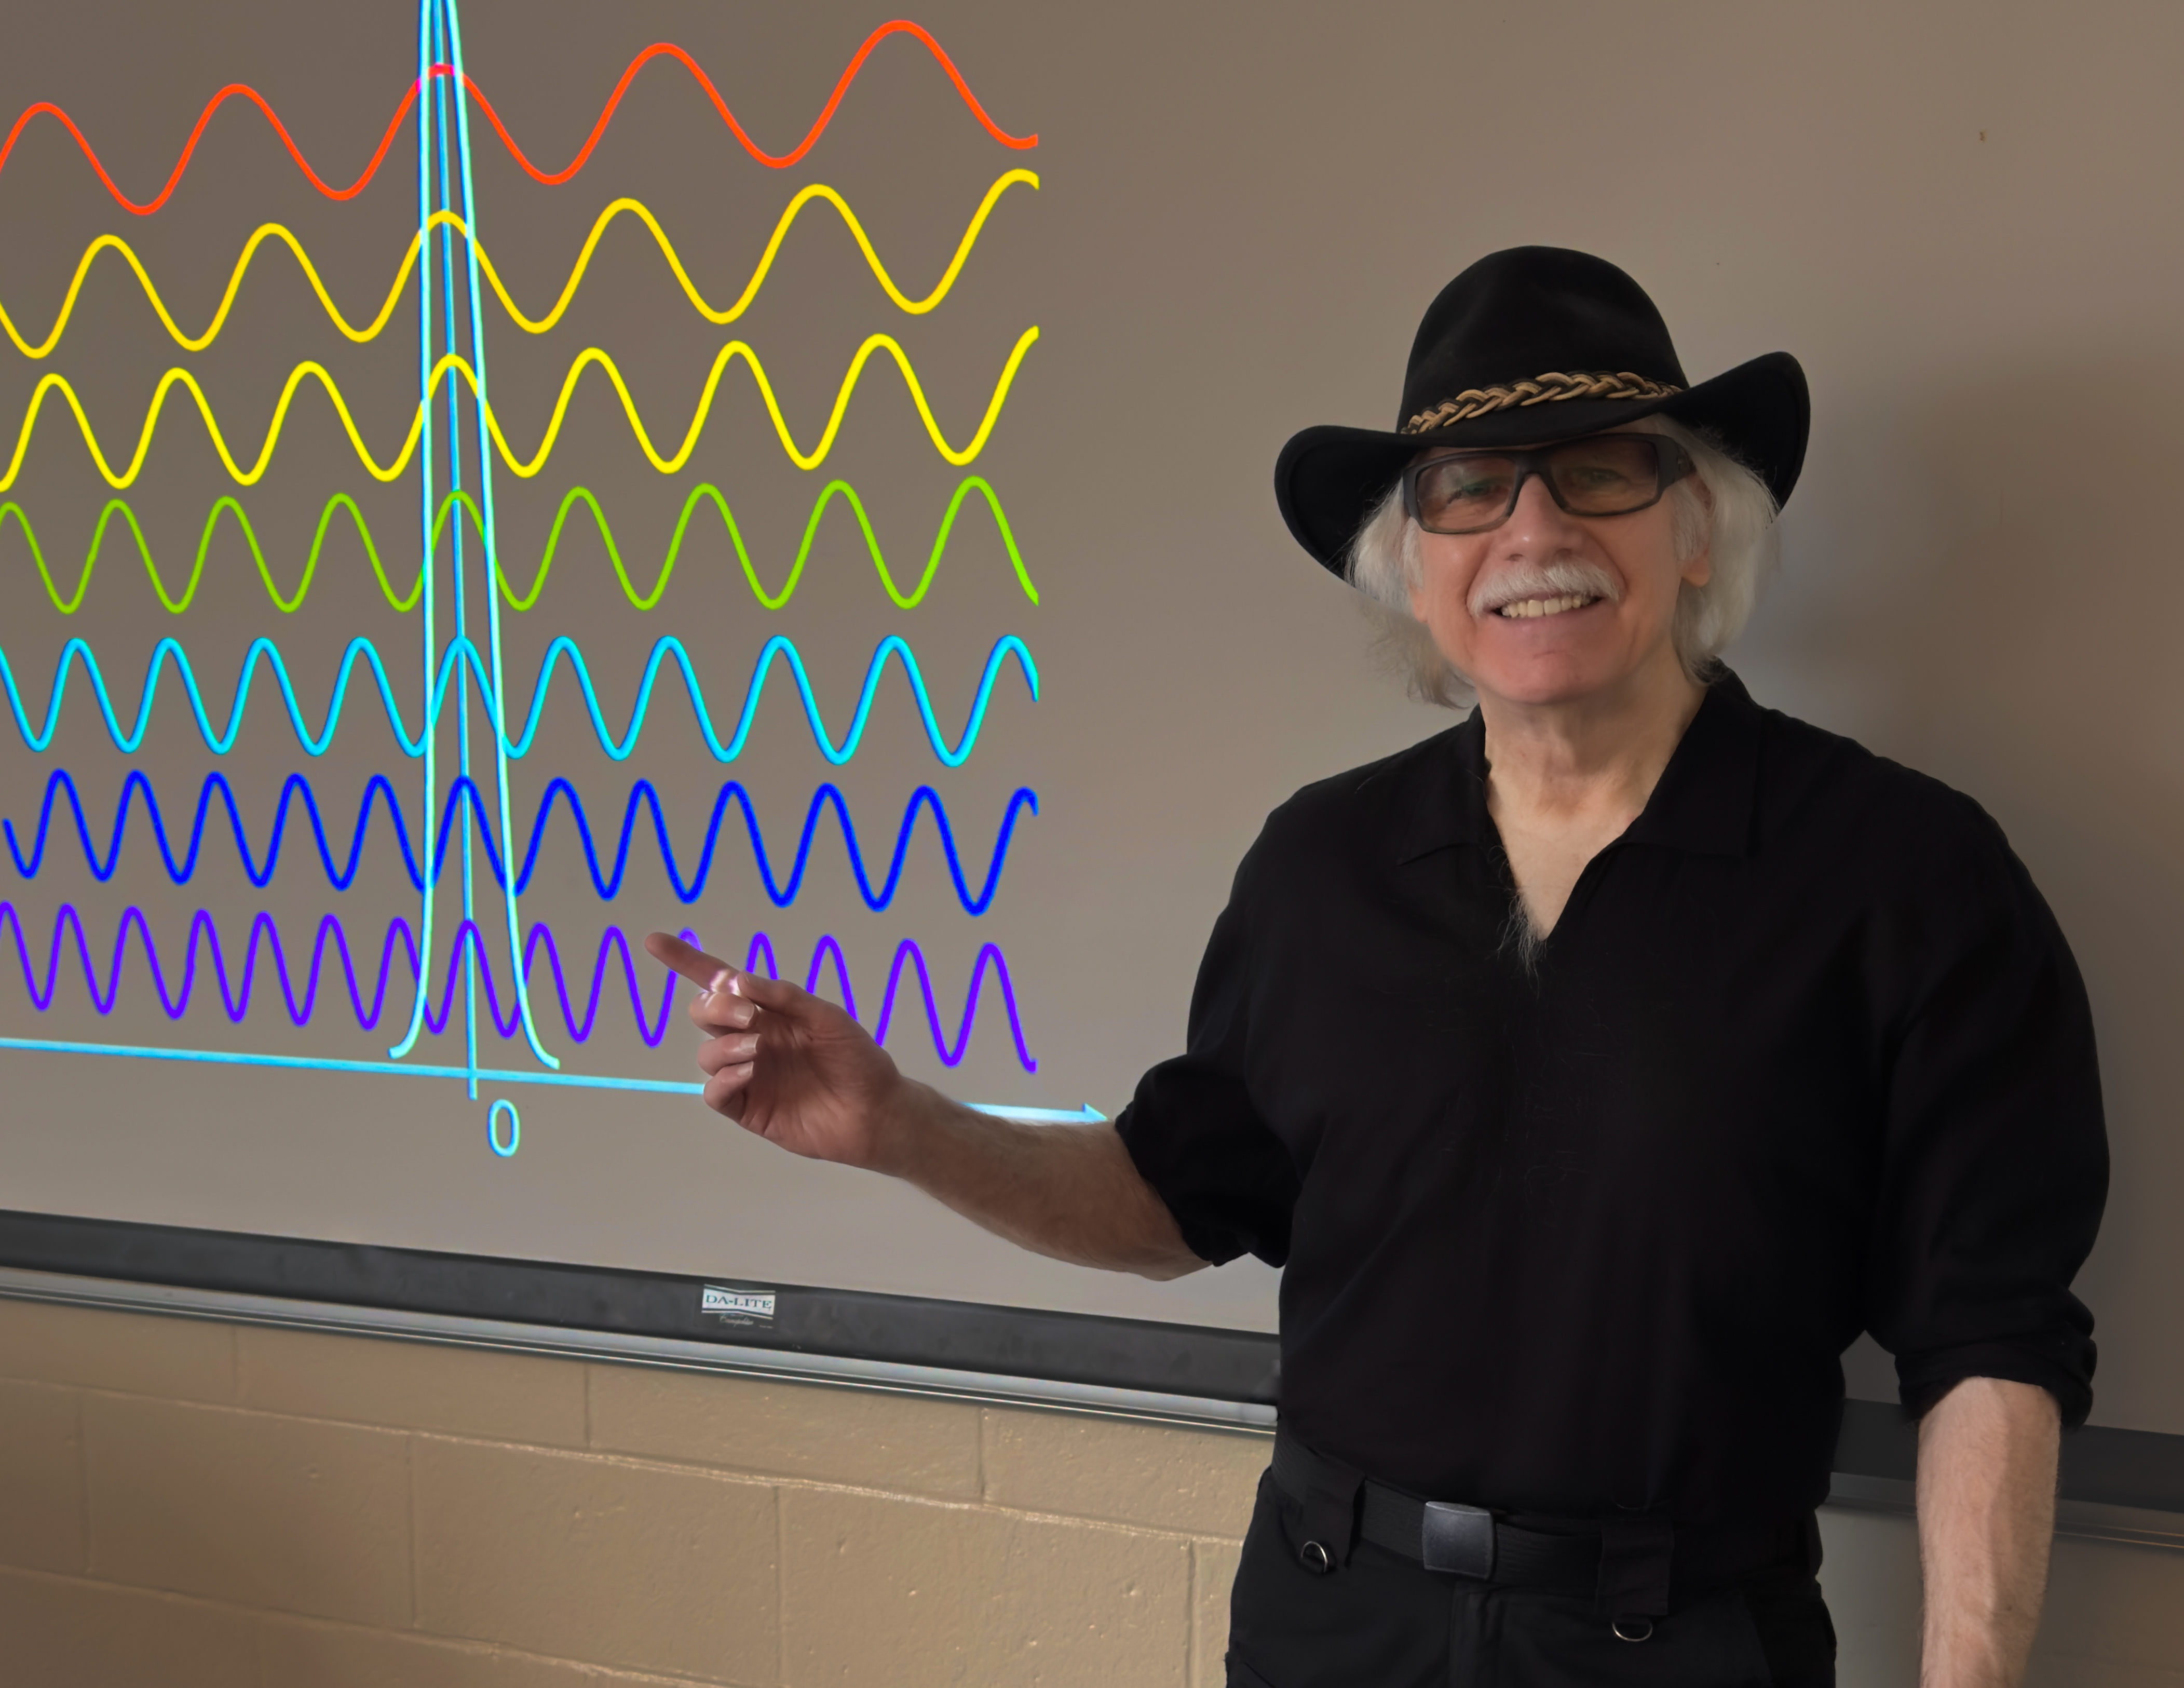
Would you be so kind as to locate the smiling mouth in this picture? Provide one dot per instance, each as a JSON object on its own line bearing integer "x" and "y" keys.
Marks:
{"x": 1531, "y": 609}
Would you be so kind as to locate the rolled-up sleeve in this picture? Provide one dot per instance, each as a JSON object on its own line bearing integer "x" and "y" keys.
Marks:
{"x": 1191, "y": 1128}
{"x": 1995, "y": 1157}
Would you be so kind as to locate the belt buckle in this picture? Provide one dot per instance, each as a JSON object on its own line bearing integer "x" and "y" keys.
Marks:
{"x": 1459, "y": 1540}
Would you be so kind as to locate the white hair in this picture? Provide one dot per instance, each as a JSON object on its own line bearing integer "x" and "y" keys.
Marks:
{"x": 1738, "y": 528}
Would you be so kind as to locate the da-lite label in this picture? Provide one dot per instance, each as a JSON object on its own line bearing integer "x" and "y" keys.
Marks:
{"x": 736, "y": 1304}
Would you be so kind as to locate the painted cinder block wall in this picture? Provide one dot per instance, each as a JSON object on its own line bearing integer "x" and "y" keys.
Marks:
{"x": 197, "y": 1505}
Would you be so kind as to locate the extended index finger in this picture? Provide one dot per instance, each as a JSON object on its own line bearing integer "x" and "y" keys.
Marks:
{"x": 706, "y": 971}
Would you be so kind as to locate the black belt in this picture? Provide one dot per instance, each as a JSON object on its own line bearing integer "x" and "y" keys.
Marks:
{"x": 1623, "y": 1561}
{"x": 1466, "y": 1541}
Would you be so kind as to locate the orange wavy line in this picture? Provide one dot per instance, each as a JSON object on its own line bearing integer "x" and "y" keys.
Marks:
{"x": 773, "y": 161}
{"x": 784, "y": 160}
{"x": 232, "y": 91}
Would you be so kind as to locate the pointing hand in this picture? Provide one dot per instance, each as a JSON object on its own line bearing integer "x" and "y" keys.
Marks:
{"x": 788, "y": 1065}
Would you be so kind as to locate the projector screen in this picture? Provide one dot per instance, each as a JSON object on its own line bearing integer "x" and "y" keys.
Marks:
{"x": 845, "y": 447}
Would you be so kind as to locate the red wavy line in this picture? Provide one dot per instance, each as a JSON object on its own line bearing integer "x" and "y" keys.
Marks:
{"x": 782, "y": 161}
{"x": 232, "y": 91}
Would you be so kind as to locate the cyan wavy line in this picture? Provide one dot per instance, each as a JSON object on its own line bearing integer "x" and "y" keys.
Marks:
{"x": 463, "y": 798}
{"x": 462, "y": 655}
{"x": 237, "y": 984}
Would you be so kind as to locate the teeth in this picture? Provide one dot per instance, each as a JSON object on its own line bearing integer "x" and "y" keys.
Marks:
{"x": 1528, "y": 608}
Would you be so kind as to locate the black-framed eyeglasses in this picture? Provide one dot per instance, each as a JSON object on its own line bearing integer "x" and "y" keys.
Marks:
{"x": 1469, "y": 491}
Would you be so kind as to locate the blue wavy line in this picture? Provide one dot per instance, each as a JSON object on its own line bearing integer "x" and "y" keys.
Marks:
{"x": 464, "y": 795}
{"x": 463, "y": 654}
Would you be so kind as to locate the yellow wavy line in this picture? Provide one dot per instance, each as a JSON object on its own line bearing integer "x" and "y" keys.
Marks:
{"x": 533, "y": 325}
{"x": 522, "y": 467}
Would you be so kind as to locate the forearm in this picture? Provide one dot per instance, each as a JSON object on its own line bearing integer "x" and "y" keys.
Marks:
{"x": 1069, "y": 1191}
{"x": 796, "y": 1070}
{"x": 1986, "y": 1514}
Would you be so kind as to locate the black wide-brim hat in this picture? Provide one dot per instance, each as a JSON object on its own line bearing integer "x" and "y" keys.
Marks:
{"x": 1533, "y": 344}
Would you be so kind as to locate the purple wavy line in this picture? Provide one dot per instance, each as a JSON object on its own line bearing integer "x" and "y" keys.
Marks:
{"x": 235, "y": 988}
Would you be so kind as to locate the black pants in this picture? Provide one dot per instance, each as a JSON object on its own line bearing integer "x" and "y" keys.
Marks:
{"x": 1383, "y": 1621}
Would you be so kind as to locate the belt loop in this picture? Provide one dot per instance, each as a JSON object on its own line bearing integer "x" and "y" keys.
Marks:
{"x": 1330, "y": 1509}
{"x": 1811, "y": 1528}
{"x": 1636, "y": 1545}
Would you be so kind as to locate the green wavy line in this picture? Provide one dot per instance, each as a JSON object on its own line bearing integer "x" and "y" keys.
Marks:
{"x": 405, "y": 601}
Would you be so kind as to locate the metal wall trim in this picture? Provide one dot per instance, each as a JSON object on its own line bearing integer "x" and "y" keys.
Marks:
{"x": 619, "y": 1348}
{"x": 2078, "y": 1520}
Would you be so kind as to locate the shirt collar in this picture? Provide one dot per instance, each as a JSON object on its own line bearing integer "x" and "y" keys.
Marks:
{"x": 1702, "y": 803}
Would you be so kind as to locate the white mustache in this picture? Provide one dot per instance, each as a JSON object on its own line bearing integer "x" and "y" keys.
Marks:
{"x": 1559, "y": 578}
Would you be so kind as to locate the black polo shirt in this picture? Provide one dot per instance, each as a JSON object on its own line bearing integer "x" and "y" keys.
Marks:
{"x": 1806, "y": 1054}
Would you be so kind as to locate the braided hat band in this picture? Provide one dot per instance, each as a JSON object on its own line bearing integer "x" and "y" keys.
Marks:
{"x": 1547, "y": 389}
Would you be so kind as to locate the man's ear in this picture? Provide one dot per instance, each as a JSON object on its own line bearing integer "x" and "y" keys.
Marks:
{"x": 1700, "y": 569}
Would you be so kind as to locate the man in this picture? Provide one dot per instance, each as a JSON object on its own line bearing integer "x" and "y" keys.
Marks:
{"x": 1598, "y": 1070}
